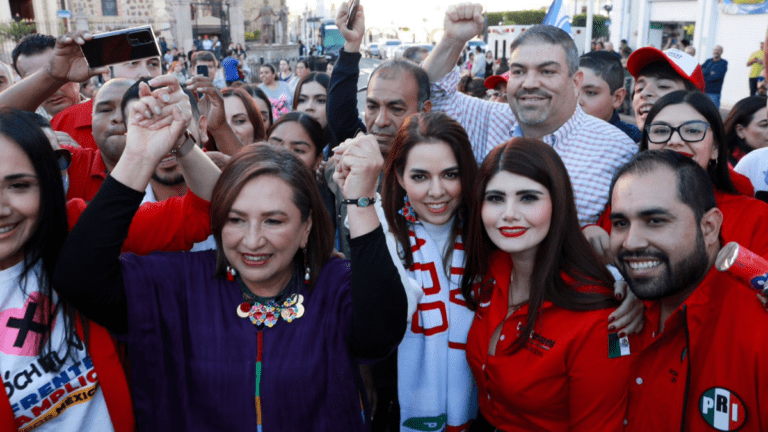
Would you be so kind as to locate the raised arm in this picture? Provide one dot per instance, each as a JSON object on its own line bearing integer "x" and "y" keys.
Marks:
{"x": 94, "y": 243}
{"x": 462, "y": 22}
{"x": 66, "y": 65}
{"x": 226, "y": 140}
{"x": 379, "y": 301}
{"x": 344, "y": 119}
{"x": 200, "y": 173}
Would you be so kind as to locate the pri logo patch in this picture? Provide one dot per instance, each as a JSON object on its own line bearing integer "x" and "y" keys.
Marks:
{"x": 722, "y": 409}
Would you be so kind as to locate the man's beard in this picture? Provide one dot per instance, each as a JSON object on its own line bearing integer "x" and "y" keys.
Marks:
{"x": 533, "y": 115}
{"x": 173, "y": 179}
{"x": 686, "y": 272}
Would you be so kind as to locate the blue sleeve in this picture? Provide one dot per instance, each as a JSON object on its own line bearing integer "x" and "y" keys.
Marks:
{"x": 720, "y": 71}
{"x": 343, "y": 117}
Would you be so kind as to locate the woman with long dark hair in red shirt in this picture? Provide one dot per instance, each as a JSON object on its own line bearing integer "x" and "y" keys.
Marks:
{"x": 538, "y": 346}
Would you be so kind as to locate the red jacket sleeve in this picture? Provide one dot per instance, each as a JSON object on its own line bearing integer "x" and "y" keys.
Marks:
{"x": 175, "y": 224}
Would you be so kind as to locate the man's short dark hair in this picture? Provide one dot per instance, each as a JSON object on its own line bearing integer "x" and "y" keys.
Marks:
{"x": 205, "y": 56}
{"x": 553, "y": 36}
{"x": 418, "y": 74}
{"x": 30, "y": 45}
{"x": 412, "y": 53}
{"x": 607, "y": 66}
{"x": 694, "y": 188}
{"x": 662, "y": 70}
{"x": 133, "y": 93}
{"x": 476, "y": 88}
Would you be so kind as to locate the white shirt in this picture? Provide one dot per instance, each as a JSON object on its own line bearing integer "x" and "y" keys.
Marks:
{"x": 755, "y": 166}
{"x": 66, "y": 399}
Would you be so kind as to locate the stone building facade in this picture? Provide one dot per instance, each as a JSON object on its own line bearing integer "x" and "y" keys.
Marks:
{"x": 176, "y": 20}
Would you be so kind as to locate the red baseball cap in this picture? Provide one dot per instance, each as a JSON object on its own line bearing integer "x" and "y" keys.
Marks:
{"x": 685, "y": 65}
{"x": 492, "y": 81}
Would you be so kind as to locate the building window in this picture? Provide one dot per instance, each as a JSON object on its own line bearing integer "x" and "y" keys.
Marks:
{"x": 109, "y": 7}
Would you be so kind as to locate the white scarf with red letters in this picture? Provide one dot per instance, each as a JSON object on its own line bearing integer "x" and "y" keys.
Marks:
{"x": 435, "y": 385}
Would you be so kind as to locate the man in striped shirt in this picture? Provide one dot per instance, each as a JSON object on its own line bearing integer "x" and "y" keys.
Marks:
{"x": 543, "y": 95}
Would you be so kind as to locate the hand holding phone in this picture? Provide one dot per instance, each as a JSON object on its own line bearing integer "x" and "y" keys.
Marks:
{"x": 353, "y": 5}
{"x": 202, "y": 70}
{"x": 67, "y": 62}
{"x": 121, "y": 46}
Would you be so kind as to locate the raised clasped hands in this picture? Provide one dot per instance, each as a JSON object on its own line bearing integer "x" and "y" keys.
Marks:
{"x": 68, "y": 62}
{"x": 157, "y": 121}
{"x": 463, "y": 22}
{"x": 358, "y": 166}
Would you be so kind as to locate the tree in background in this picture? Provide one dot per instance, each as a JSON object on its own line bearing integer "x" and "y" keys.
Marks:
{"x": 16, "y": 30}
{"x": 533, "y": 17}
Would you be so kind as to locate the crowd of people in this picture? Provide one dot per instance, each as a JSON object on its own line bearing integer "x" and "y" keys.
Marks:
{"x": 190, "y": 252}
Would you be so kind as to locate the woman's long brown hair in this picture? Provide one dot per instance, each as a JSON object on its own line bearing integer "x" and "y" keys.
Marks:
{"x": 430, "y": 127}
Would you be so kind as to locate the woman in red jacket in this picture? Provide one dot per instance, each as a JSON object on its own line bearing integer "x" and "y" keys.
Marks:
{"x": 538, "y": 346}
{"x": 689, "y": 123}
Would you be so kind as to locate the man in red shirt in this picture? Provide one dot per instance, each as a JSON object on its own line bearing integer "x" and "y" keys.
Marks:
{"x": 76, "y": 120}
{"x": 698, "y": 365}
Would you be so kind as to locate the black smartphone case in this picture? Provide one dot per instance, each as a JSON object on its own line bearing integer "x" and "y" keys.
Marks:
{"x": 121, "y": 46}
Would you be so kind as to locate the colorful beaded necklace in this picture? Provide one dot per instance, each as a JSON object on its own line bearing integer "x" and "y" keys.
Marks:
{"x": 266, "y": 310}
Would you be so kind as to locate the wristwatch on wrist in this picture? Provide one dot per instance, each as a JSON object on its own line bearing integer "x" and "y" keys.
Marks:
{"x": 186, "y": 146}
{"x": 360, "y": 202}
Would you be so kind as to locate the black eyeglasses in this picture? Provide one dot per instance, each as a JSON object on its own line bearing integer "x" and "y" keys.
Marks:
{"x": 690, "y": 131}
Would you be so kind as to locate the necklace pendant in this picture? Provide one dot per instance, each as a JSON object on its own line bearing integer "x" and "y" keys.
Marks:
{"x": 243, "y": 310}
{"x": 258, "y": 313}
{"x": 288, "y": 314}
{"x": 270, "y": 318}
{"x": 290, "y": 301}
{"x": 299, "y": 310}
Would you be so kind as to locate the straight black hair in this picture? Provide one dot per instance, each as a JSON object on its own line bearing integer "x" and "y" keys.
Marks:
{"x": 45, "y": 243}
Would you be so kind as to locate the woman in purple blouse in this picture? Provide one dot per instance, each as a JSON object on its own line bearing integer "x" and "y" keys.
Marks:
{"x": 265, "y": 333}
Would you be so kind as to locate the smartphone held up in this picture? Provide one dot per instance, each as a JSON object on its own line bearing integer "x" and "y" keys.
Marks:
{"x": 353, "y": 5}
{"x": 121, "y": 46}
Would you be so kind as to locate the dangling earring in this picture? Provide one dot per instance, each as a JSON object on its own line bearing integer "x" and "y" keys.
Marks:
{"x": 407, "y": 211}
{"x": 231, "y": 273}
{"x": 307, "y": 275}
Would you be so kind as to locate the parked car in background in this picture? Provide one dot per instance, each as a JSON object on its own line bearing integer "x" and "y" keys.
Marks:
{"x": 372, "y": 50}
{"x": 387, "y": 48}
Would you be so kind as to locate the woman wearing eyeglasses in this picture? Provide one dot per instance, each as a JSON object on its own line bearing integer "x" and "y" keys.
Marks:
{"x": 689, "y": 123}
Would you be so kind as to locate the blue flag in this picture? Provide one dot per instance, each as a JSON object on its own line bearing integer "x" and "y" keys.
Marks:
{"x": 557, "y": 17}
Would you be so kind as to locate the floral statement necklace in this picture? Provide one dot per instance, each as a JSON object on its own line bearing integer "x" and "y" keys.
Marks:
{"x": 267, "y": 310}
